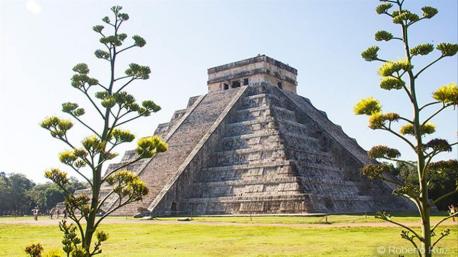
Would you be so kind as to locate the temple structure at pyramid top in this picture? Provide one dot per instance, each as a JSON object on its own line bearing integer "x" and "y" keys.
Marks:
{"x": 251, "y": 145}
{"x": 251, "y": 71}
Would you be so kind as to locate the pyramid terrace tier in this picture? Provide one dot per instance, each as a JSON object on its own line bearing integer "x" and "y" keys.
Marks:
{"x": 291, "y": 203}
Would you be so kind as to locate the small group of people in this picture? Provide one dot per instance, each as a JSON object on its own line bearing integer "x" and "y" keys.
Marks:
{"x": 54, "y": 212}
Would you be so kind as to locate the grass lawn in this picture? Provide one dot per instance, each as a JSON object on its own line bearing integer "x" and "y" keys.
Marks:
{"x": 216, "y": 236}
{"x": 333, "y": 219}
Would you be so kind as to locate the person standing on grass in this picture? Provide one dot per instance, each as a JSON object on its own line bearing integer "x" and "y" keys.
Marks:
{"x": 51, "y": 212}
{"x": 452, "y": 210}
{"x": 35, "y": 213}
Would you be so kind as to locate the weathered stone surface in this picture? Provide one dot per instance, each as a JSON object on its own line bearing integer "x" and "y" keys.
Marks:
{"x": 162, "y": 168}
{"x": 256, "y": 149}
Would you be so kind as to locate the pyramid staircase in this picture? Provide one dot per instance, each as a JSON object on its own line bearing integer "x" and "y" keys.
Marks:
{"x": 250, "y": 171}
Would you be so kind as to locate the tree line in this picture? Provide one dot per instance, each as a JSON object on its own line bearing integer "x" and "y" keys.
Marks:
{"x": 19, "y": 195}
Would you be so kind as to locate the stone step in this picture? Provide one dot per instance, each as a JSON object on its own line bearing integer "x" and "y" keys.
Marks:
{"x": 253, "y": 181}
{"x": 253, "y": 109}
{"x": 249, "y": 191}
{"x": 282, "y": 113}
{"x": 251, "y": 165}
{"x": 329, "y": 186}
{"x": 302, "y": 142}
{"x": 242, "y": 156}
{"x": 258, "y": 100}
{"x": 264, "y": 111}
{"x": 162, "y": 129}
{"x": 109, "y": 201}
{"x": 251, "y": 113}
{"x": 271, "y": 179}
{"x": 338, "y": 204}
{"x": 192, "y": 100}
{"x": 254, "y": 190}
{"x": 177, "y": 115}
{"x": 319, "y": 173}
{"x": 346, "y": 197}
{"x": 264, "y": 205}
{"x": 266, "y": 139}
{"x": 132, "y": 167}
{"x": 261, "y": 133}
{"x": 313, "y": 157}
{"x": 251, "y": 127}
{"x": 301, "y": 138}
{"x": 313, "y": 167}
{"x": 246, "y": 174}
{"x": 308, "y": 158}
{"x": 253, "y": 101}
{"x": 276, "y": 197}
{"x": 129, "y": 155}
{"x": 258, "y": 148}
{"x": 251, "y": 122}
{"x": 294, "y": 127}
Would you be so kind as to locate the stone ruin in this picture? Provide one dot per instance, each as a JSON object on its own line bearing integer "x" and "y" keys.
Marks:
{"x": 251, "y": 145}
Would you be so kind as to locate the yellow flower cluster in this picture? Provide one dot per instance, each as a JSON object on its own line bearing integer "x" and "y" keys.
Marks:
{"x": 447, "y": 94}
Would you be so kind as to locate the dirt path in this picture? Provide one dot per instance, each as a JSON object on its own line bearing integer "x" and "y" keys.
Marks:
{"x": 44, "y": 221}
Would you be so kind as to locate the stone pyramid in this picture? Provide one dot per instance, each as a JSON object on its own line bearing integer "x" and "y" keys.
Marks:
{"x": 251, "y": 145}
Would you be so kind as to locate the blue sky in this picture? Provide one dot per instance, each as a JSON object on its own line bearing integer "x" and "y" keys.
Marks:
{"x": 41, "y": 40}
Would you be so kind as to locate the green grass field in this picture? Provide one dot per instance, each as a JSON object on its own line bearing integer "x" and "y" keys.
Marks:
{"x": 346, "y": 235}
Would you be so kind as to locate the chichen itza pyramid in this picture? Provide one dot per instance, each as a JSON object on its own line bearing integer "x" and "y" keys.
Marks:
{"x": 251, "y": 145}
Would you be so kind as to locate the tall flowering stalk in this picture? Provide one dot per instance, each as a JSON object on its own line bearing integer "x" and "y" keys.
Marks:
{"x": 115, "y": 107}
{"x": 403, "y": 75}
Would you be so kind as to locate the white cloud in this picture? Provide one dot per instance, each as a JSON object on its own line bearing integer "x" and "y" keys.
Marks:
{"x": 33, "y": 6}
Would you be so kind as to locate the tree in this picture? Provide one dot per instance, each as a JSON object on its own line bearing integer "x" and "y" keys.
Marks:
{"x": 13, "y": 194}
{"x": 440, "y": 183}
{"x": 20, "y": 184}
{"x": 115, "y": 107}
{"x": 18, "y": 194}
{"x": 403, "y": 75}
{"x": 47, "y": 195}
{"x": 14, "y": 197}
{"x": 4, "y": 193}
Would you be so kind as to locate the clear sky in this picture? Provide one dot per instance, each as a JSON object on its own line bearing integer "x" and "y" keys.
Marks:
{"x": 41, "y": 40}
